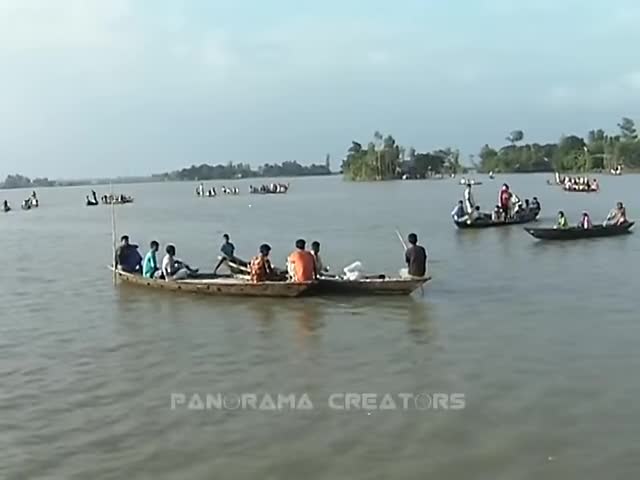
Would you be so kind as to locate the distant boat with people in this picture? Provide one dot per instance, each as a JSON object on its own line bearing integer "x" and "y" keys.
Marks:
{"x": 273, "y": 188}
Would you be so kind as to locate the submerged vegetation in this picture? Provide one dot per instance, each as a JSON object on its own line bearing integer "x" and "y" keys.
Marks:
{"x": 384, "y": 159}
{"x": 599, "y": 151}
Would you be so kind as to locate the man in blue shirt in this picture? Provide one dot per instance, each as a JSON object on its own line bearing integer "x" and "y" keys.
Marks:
{"x": 128, "y": 258}
{"x": 150, "y": 267}
{"x": 228, "y": 250}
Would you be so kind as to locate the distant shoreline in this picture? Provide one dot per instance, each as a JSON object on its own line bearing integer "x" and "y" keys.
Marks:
{"x": 138, "y": 180}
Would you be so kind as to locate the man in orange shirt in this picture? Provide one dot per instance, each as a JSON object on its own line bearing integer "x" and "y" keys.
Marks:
{"x": 302, "y": 265}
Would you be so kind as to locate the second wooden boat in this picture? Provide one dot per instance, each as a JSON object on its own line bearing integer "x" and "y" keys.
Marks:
{"x": 576, "y": 233}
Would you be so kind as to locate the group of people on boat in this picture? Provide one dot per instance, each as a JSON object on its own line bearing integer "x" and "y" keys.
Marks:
{"x": 129, "y": 260}
{"x": 202, "y": 192}
{"x": 578, "y": 184}
{"x": 271, "y": 188}
{"x": 509, "y": 207}
{"x": 617, "y": 216}
{"x": 302, "y": 265}
{"x": 108, "y": 199}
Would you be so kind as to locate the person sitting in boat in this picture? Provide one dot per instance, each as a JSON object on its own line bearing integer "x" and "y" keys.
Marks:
{"x": 585, "y": 221}
{"x": 300, "y": 264}
{"x": 415, "y": 257}
{"x": 315, "y": 251}
{"x": 459, "y": 214}
{"x": 562, "y": 221}
{"x": 497, "y": 215}
{"x": 527, "y": 205}
{"x": 5, "y": 206}
{"x": 260, "y": 266}
{"x": 228, "y": 250}
{"x": 535, "y": 205}
{"x": 34, "y": 199}
{"x": 469, "y": 202}
{"x": 150, "y": 267}
{"x": 175, "y": 269}
{"x": 200, "y": 190}
{"x": 128, "y": 258}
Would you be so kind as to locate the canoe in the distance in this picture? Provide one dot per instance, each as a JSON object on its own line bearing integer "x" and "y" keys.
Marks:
{"x": 576, "y": 233}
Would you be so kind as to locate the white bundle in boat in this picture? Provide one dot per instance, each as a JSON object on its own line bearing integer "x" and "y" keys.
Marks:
{"x": 353, "y": 271}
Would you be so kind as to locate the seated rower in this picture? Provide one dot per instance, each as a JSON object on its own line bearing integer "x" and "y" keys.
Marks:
{"x": 301, "y": 264}
{"x": 475, "y": 215}
{"x": 315, "y": 251}
{"x": 150, "y": 267}
{"x": 585, "y": 221}
{"x": 416, "y": 258}
{"x": 618, "y": 216}
{"x": 562, "y": 220}
{"x": 228, "y": 250}
{"x": 173, "y": 268}
{"x": 128, "y": 258}
{"x": 459, "y": 214}
{"x": 535, "y": 204}
{"x": 260, "y": 266}
{"x": 497, "y": 214}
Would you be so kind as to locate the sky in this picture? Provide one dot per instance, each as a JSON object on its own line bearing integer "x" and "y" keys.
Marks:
{"x": 94, "y": 88}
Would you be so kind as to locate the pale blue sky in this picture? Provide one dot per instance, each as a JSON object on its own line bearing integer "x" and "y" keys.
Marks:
{"x": 130, "y": 87}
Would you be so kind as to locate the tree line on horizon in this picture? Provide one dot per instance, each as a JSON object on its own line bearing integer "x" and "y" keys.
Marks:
{"x": 243, "y": 170}
{"x": 384, "y": 159}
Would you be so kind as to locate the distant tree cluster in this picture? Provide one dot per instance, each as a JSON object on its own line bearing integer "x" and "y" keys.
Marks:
{"x": 20, "y": 181}
{"x": 600, "y": 151}
{"x": 229, "y": 171}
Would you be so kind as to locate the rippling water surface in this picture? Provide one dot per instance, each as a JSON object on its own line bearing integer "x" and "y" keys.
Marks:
{"x": 542, "y": 340}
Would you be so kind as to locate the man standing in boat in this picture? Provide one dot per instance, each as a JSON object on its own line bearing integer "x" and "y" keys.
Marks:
{"x": 416, "y": 257}
{"x": 469, "y": 202}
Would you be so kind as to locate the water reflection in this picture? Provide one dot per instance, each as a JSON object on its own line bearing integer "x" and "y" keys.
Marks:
{"x": 419, "y": 324}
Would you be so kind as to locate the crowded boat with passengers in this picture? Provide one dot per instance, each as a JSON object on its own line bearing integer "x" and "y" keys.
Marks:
{"x": 509, "y": 210}
{"x": 305, "y": 273}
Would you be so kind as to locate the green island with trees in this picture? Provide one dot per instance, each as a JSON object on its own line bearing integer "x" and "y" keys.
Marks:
{"x": 384, "y": 159}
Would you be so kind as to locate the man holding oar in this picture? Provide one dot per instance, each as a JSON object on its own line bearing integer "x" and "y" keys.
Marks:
{"x": 416, "y": 257}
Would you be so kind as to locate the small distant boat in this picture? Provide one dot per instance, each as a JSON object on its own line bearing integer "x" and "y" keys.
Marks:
{"x": 576, "y": 233}
{"x": 117, "y": 200}
{"x": 465, "y": 181}
{"x": 616, "y": 171}
{"x": 491, "y": 175}
{"x": 573, "y": 189}
{"x": 488, "y": 223}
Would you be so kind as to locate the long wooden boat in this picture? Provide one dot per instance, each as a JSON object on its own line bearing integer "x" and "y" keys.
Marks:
{"x": 378, "y": 285}
{"x": 208, "y": 284}
{"x": 576, "y": 233}
{"x": 487, "y": 222}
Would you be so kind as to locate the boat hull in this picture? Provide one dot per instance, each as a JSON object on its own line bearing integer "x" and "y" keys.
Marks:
{"x": 368, "y": 286}
{"x": 575, "y": 233}
{"x": 531, "y": 217}
{"x": 219, "y": 286}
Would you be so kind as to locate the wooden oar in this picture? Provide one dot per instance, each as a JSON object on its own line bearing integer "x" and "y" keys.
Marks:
{"x": 113, "y": 238}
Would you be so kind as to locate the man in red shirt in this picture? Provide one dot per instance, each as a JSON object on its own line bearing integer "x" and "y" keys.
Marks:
{"x": 302, "y": 265}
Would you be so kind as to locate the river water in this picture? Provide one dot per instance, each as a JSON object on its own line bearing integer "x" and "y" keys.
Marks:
{"x": 541, "y": 339}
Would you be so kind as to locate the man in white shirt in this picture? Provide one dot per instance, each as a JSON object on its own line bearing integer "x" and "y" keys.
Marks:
{"x": 174, "y": 269}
